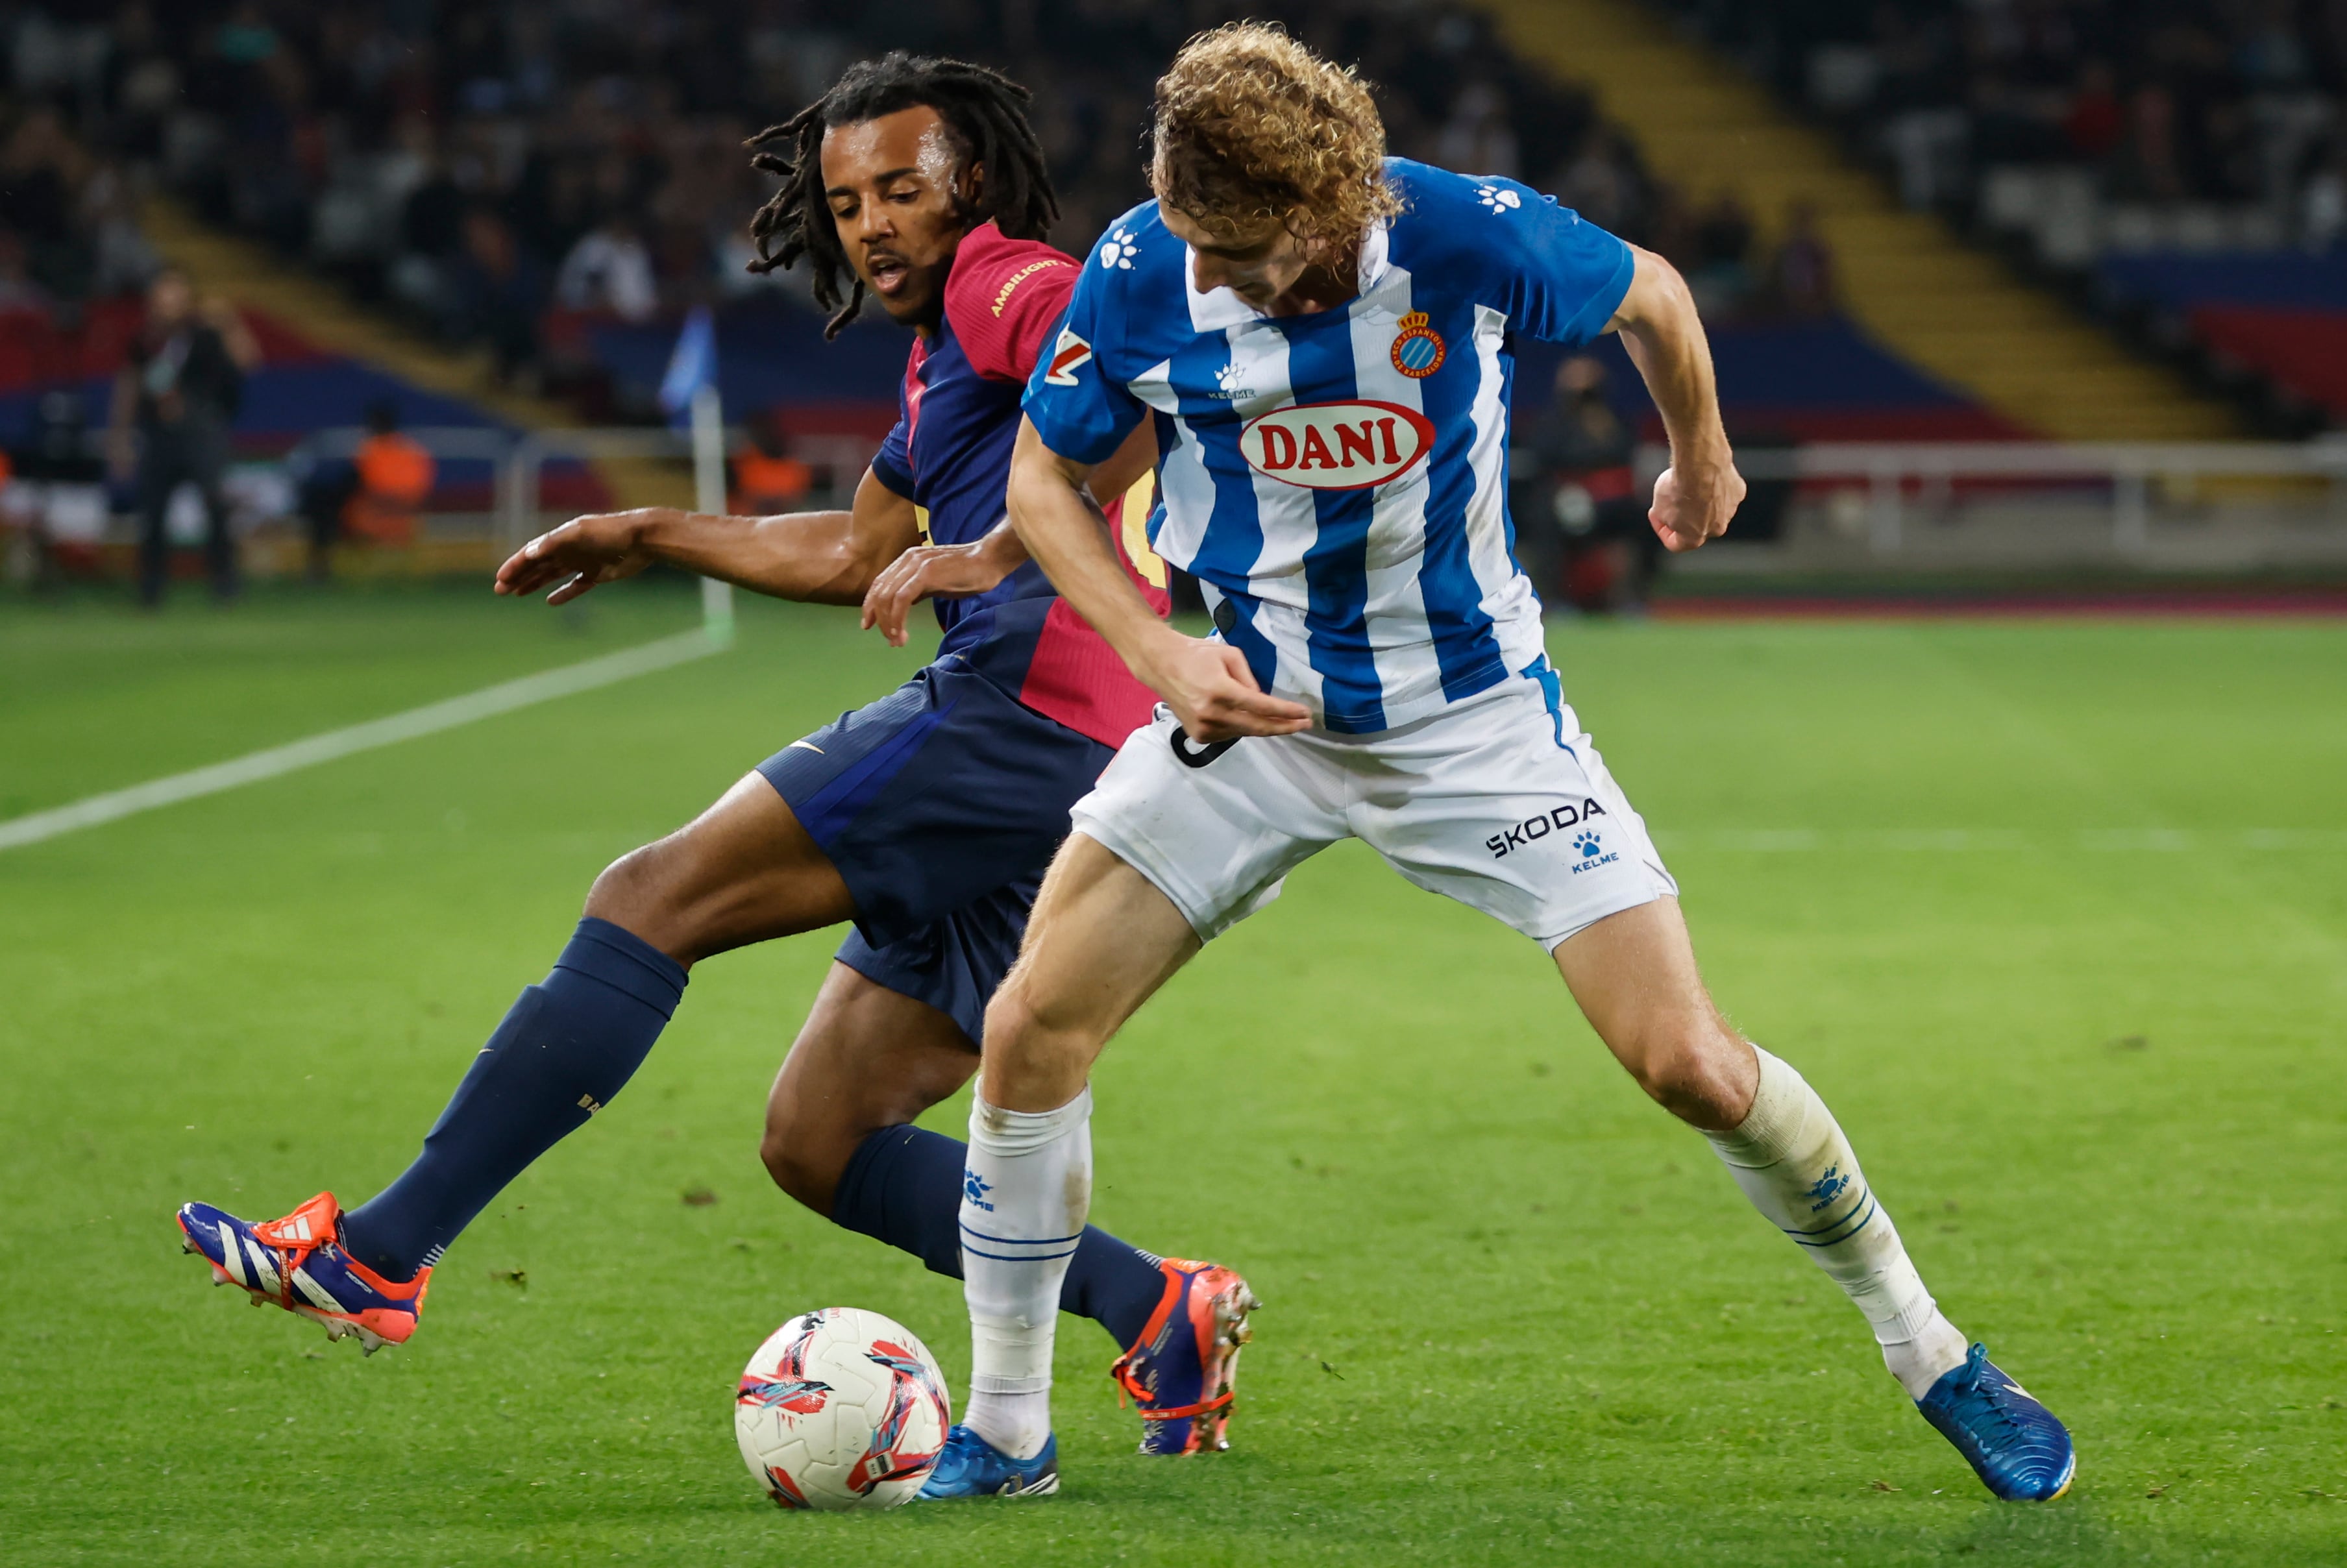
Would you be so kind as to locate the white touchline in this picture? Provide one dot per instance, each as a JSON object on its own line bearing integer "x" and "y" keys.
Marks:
{"x": 687, "y": 646}
{"x": 503, "y": 698}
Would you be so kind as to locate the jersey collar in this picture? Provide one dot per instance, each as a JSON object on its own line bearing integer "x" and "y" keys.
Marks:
{"x": 1221, "y": 309}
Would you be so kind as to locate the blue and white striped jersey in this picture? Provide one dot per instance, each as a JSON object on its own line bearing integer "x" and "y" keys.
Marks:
{"x": 1338, "y": 482}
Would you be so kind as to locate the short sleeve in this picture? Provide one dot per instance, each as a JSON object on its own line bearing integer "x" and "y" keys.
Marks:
{"x": 1561, "y": 277}
{"x": 1006, "y": 321}
{"x": 1081, "y": 412}
{"x": 893, "y": 464}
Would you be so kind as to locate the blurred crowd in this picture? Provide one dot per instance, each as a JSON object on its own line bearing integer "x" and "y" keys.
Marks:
{"x": 2167, "y": 101}
{"x": 485, "y": 168}
{"x": 69, "y": 227}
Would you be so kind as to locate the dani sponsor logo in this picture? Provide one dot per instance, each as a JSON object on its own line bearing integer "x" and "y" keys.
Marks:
{"x": 1347, "y": 446}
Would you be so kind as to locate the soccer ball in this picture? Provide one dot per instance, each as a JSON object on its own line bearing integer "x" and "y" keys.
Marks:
{"x": 841, "y": 1408}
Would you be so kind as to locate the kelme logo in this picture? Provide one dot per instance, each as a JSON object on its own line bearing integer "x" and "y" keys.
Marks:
{"x": 1336, "y": 446}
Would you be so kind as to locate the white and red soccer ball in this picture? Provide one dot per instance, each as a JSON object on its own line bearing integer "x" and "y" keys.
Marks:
{"x": 841, "y": 1408}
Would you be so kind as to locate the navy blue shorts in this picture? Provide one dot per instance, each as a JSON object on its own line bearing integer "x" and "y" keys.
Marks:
{"x": 940, "y": 805}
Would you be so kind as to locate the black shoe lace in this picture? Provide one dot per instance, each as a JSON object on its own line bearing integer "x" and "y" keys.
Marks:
{"x": 1989, "y": 1395}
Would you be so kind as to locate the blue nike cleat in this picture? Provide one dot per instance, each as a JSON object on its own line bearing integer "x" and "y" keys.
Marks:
{"x": 2016, "y": 1446}
{"x": 298, "y": 1263}
{"x": 972, "y": 1466}
{"x": 1182, "y": 1370}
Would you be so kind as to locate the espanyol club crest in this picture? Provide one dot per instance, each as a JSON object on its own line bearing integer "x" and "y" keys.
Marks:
{"x": 1418, "y": 349}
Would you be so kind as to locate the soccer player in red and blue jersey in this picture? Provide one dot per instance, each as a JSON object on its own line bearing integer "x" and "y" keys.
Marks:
{"x": 927, "y": 817}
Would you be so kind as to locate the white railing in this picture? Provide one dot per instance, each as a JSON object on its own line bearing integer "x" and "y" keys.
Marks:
{"x": 519, "y": 461}
{"x": 1889, "y": 470}
{"x": 1889, "y": 473}
{"x": 839, "y": 460}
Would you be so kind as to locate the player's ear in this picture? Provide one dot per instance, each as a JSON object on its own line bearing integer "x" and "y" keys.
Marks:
{"x": 972, "y": 186}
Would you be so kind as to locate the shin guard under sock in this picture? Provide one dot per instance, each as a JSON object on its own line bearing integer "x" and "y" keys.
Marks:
{"x": 1027, "y": 1188}
{"x": 903, "y": 1185}
{"x": 1790, "y": 1158}
{"x": 567, "y": 1047}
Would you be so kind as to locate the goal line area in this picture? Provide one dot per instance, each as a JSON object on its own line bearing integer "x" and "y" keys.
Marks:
{"x": 274, "y": 762}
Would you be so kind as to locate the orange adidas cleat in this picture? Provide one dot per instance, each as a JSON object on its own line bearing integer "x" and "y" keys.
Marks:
{"x": 1182, "y": 1371}
{"x": 298, "y": 1263}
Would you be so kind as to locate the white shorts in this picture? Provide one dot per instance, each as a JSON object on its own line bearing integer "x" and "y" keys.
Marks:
{"x": 1499, "y": 801}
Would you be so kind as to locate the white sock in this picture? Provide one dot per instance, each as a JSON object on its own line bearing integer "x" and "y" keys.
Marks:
{"x": 1793, "y": 1163}
{"x": 1025, "y": 1193}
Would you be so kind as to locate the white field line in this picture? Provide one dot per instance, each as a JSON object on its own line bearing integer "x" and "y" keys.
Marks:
{"x": 430, "y": 719}
{"x": 627, "y": 662}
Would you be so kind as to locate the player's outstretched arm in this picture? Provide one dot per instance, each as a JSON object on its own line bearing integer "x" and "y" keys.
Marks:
{"x": 1207, "y": 684}
{"x": 822, "y": 557}
{"x": 1699, "y": 492}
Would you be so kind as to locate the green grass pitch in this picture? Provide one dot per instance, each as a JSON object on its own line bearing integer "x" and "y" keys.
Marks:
{"x": 2053, "y": 915}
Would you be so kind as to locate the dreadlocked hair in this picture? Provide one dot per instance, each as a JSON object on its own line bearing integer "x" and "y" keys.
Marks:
{"x": 984, "y": 112}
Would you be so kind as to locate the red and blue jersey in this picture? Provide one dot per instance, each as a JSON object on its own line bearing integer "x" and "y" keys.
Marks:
{"x": 949, "y": 454}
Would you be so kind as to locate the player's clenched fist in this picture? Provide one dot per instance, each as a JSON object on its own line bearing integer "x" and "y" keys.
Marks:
{"x": 1687, "y": 512}
{"x": 1211, "y": 690}
{"x": 581, "y": 553}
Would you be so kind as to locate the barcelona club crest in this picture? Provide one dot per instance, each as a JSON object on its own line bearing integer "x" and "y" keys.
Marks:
{"x": 1418, "y": 349}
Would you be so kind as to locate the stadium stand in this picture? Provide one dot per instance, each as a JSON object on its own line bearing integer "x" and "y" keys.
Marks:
{"x": 494, "y": 216}
{"x": 554, "y": 183}
{"x": 2280, "y": 315}
{"x": 1710, "y": 125}
{"x": 2181, "y": 164}
{"x": 76, "y": 241}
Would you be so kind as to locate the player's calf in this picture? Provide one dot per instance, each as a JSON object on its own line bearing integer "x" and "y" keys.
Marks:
{"x": 867, "y": 1057}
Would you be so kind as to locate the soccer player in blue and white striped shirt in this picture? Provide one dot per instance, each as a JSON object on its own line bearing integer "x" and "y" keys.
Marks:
{"x": 1320, "y": 336}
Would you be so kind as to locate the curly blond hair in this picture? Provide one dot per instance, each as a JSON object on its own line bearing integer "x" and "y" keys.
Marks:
{"x": 1253, "y": 128}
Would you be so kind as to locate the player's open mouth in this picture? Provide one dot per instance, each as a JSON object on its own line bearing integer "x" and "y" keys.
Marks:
{"x": 888, "y": 275}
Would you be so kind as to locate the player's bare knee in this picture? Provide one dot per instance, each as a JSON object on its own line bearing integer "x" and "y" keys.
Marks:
{"x": 776, "y": 1153}
{"x": 1031, "y": 1049}
{"x": 1012, "y": 1028}
{"x": 628, "y": 890}
{"x": 1684, "y": 1066}
{"x": 795, "y": 1173}
{"x": 642, "y": 892}
{"x": 802, "y": 1161}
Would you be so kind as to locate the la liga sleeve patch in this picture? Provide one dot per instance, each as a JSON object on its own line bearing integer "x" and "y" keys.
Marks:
{"x": 1069, "y": 355}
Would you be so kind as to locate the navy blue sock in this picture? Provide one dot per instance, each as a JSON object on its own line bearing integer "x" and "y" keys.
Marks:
{"x": 902, "y": 1187}
{"x": 568, "y": 1046}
